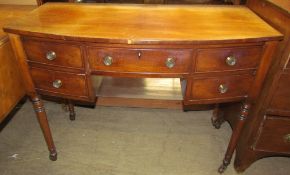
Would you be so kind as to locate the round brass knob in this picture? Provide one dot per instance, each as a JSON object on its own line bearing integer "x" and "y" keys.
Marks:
{"x": 50, "y": 55}
{"x": 287, "y": 138}
{"x": 231, "y": 60}
{"x": 57, "y": 84}
{"x": 108, "y": 60}
{"x": 170, "y": 62}
{"x": 223, "y": 88}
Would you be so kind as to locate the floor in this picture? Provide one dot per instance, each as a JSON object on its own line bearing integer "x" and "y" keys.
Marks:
{"x": 121, "y": 141}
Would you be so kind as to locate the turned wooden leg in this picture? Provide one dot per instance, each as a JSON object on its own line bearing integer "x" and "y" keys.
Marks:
{"x": 235, "y": 137}
{"x": 217, "y": 118}
{"x": 72, "y": 114}
{"x": 42, "y": 119}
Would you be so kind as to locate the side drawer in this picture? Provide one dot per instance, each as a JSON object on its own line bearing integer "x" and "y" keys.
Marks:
{"x": 53, "y": 53}
{"x": 140, "y": 60}
{"x": 281, "y": 96}
{"x": 274, "y": 135}
{"x": 226, "y": 59}
{"x": 220, "y": 87}
{"x": 64, "y": 84}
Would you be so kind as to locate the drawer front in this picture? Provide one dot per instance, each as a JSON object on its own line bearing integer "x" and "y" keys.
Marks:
{"x": 226, "y": 59}
{"x": 221, "y": 87}
{"x": 281, "y": 96}
{"x": 275, "y": 135}
{"x": 51, "y": 53}
{"x": 140, "y": 60}
{"x": 60, "y": 82}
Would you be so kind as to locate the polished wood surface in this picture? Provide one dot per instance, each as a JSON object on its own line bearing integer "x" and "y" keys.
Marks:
{"x": 37, "y": 52}
{"x": 166, "y": 44}
{"x": 11, "y": 90}
{"x": 275, "y": 130}
{"x": 245, "y": 58}
{"x": 266, "y": 130}
{"x": 70, "y": 84}
{"x": 208, "y": 88}
{"x": 140, "y": 60}
{"x": 215, "y": 24}
{"x": 281, "y": 96}
{"x": 282, "y": 4}
{"x": 40, "y": 2}
{"x": 10, "y": 12}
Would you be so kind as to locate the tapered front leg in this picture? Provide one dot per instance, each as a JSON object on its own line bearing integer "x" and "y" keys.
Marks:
{"x": 235, "y": 137}
{"x": 43, "y": 122}
{"x": 28, "y": 83}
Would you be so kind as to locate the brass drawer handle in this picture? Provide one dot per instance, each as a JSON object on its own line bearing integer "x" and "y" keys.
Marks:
{"x": 170, "y": 62}
{"x": 108, "y": 60}
{"x": 231, "y": 60}
{"x": 287, "y": 138}
{"x": 223, "y": 88}
{"x": 50, "y": 55}
{"x": 57, "y": 84}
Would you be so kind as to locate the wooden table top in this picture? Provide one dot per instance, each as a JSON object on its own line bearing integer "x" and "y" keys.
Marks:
{"x": 136, "y": 24}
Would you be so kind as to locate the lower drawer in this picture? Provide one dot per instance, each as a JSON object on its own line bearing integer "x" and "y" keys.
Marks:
{"x": 274, "y": 135}
{"x": 220, "y": 88}
{"x": 60, "y": 83}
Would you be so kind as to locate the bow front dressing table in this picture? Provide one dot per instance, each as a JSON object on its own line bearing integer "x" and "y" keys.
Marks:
{"x": 220, "y": 53}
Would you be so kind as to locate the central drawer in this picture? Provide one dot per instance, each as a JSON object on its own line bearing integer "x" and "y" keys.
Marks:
{"x": 140, "y": 60}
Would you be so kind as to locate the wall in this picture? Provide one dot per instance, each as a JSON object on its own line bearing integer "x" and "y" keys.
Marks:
{"x": 20, "y": 2}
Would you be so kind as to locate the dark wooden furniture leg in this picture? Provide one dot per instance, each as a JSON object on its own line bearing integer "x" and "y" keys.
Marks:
{"x": 217, "y": 118}
{"x": 234, "y": 138}
{"x": 72, "y": 114}
{"x": 42, "y": 119}
{"x": 30, "y": 91}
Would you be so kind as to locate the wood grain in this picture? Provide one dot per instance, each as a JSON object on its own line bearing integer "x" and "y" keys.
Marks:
{"x": 67, "y": 55}
{"x": 10, "y": 13}
{"x": 143, "y": 23}
{"x": 140, "y": 60}
{"x": 267, "y": 137}
{"x": 11, "y": 88}
{"x": 212, "y": 60}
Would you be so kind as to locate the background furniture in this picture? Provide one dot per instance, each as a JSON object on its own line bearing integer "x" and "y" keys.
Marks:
{"x": 267, "y": 131}
{"x": 11, "y": 89}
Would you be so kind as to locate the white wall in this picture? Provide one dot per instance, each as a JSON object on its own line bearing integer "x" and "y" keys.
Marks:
{"x": 20, "y": 2}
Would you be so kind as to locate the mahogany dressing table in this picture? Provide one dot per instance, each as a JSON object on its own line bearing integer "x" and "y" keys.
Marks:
{"x": 220, "y": 53}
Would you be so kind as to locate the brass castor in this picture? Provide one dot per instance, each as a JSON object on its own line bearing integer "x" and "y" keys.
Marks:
{"x": 53, "y": 155}
{"x": 72, "y": 116}
{"x": 217, "y": 123}
{"x": 223, "y": 167}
